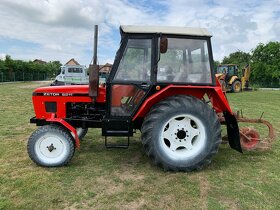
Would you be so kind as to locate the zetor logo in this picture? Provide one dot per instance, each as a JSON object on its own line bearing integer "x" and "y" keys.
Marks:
{"x": 58, "y": 94}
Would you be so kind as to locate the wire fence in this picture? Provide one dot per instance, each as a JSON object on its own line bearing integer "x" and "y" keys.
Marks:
{"x": 273, "y": 83}
{"x": 37, "y": 76}
{"x": 23, "y": 76}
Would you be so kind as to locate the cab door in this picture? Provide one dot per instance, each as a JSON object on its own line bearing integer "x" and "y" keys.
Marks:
{"x": 130, "y": 82}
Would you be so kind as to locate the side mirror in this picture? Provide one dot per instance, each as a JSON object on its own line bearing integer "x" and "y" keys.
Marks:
{"x": 163, "y": 44}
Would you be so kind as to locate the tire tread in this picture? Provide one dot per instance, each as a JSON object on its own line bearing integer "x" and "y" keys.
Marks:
{"x": 167, "y": 105}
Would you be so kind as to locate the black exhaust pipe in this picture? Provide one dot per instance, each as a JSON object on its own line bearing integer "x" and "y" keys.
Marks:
{"x": 94, "y": 69}
{"x": 95, "y": 44}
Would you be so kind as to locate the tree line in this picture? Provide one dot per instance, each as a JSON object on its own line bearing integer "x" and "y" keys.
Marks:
{"x": 10, "y": 67}
{"x": 264, "y": 61}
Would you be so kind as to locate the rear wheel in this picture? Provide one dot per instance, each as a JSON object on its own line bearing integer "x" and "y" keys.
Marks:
{"x": 236, "y": 86}
{"x": 181, "y": 133}
{"x": 51, "y": 145}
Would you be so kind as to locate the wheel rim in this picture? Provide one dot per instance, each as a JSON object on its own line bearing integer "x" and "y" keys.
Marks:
{"x": 183, "y": 136}
{"x": 50, "y": 149}
{"x": 237, "y": 87}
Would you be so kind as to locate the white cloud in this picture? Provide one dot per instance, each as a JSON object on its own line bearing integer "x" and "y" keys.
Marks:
{"x": 2, "y": 56}
{"x": 64, "y": 29}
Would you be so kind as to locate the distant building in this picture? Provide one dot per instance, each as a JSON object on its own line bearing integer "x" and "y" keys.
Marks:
{"x": 72, "y": 62}
{"x": 105, "y": 68}
{"x": 39, "y": 61}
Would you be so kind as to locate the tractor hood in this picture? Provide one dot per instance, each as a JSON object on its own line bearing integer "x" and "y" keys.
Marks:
{"x": 59, "y": 96}
{"x": 71, "y": 90}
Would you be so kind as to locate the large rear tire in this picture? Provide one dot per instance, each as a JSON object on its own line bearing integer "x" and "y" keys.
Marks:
{"x": 181, "y": 133}
{"x": 51, "y": 146}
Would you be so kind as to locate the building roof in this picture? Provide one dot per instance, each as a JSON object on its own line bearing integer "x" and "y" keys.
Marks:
{"x": 105, "y": 68}
{"x": 165, "y": 30}
{"x": 72, "y": 61}
{"x": 39, "y": 61}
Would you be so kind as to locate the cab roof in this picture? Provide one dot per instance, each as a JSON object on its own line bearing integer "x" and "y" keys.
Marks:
{"x": 165, "y": 30}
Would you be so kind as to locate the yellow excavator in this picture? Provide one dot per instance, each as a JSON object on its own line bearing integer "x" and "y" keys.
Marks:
{"x": 228, "y": 76}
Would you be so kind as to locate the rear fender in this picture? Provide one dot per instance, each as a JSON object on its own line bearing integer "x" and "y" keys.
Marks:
{"x": 214, "y": 93}
{"x": 217, "y": 98}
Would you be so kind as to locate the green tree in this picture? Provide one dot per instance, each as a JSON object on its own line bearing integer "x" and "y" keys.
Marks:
{"x": 266, "y": 64}
{"x": 240, "y": 58}
{"x": 54, "y": 68}
{"x": 216, "y": 64}
{"x": 3, "y": 67}
{"x": 27, "y": 70}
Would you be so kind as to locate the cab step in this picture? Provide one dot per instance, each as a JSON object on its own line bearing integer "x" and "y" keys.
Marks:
{"x": 122, "y": 146}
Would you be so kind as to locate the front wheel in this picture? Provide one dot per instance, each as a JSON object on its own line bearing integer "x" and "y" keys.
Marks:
{"x": 181, "y": 133}
{"x": 50, "y": 146}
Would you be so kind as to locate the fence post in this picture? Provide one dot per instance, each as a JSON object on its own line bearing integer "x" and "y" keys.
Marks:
{"x": 22, "y": 76}
{"x": 2, "y": 76}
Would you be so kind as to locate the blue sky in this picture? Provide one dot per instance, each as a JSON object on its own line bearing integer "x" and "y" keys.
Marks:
{"x": 61, "y": 30}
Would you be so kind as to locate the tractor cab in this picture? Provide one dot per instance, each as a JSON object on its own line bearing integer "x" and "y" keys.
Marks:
{"x": 228, "y": 69}
{"x": 150, "y": 59}
{"x": 156, "y": 56}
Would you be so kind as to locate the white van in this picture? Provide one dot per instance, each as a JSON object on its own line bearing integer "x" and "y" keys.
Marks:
{"x": 72, "y": 75}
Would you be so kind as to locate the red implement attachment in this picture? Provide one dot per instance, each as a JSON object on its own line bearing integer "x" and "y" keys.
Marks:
{"x": 249, "y": 137}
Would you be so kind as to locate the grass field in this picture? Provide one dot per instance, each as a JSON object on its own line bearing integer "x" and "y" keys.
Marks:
{"x": 99, "y": 178}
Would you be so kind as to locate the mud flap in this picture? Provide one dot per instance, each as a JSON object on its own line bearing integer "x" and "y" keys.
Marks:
{"x": 233, "y": 132}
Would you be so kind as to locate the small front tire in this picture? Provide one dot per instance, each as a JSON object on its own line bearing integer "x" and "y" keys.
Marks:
{"x": 51, "y": 146}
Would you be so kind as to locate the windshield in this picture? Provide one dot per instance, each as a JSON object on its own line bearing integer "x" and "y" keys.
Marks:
{"x": 75, "y": 70}
{"x": 222, "y": 69}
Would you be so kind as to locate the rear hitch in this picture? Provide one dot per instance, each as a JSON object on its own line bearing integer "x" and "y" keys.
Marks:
{"x": 249, "y": 137}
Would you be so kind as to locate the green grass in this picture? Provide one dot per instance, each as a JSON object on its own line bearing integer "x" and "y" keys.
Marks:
{"x": 99, "y": 178}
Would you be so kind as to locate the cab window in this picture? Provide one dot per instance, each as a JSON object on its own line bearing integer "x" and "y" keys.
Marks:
{"x": 135, "y": 64}
{"x": 186, "y": 61}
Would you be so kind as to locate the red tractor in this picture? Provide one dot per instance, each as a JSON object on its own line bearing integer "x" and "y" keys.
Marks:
{"x": 162, "y": 82}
